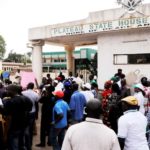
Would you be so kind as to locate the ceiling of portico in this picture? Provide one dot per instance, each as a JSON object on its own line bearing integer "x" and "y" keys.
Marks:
{"x": 76, "y": 40}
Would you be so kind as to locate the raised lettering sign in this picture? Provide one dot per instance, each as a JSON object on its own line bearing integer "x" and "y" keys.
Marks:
{"x": 101, "y": 26}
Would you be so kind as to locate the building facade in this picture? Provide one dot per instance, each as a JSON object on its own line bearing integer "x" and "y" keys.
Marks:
{"x": 56, "y": 61}
{"x": 122, "y": 36}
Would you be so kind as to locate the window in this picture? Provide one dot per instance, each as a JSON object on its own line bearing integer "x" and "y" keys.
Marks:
{"x": 56, "y": 60}
{"x": 139, "y": 59}
{"x": 132, "y": 58}
{"x": 45, "y": 69}
{"x": 121, "y": 59}
{"x": 63, "y": 60}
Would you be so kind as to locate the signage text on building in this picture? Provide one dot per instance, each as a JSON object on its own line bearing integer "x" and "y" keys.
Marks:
{"x": 101, "y": 26}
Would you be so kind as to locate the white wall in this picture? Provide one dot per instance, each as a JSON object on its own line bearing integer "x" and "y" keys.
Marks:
{"x": 123, "y": 42}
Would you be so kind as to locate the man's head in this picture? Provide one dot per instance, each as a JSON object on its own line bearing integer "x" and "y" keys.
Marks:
{"x": 30, "y": 85}
{"x": 12, "y": 90}
{"x": 76, "y": 75}
{"x": 67, "y": 84}
{"x": 70, "y": 74}
{"x": 144, "y": 81}
{"x": 44, "y": 80}
{"x": 94, "y": 109}
{"x": 48, "y": 75}
{"x": 81, "y": 76}
{"x": 87, "y": 86}
{"x": 108, "y": 84}
{"x": 91, "y": 77}
{"x": 49, "y": 89}
{"x": 119, "y": 70}
{"x": 75, "y": 86}
{"x": 58, "y": 94}
{"x": 129, "y": 103}
{"x": 18, "y": 70}
{"x": 138, "y": 87}
{"x": 94, "y": 85}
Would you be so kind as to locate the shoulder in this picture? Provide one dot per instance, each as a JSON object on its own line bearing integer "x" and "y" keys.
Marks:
{"x": 141, "y": 116}
{"x": 24, "y": 92}
{"x": 65, "y": 103}
{"x": 74, "y": 128}
{"x": 123, "y": 119}
{"x": 108, "y": 130}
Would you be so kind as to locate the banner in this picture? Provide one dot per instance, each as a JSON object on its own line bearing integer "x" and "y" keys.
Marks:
{"x": 27, "y": 77}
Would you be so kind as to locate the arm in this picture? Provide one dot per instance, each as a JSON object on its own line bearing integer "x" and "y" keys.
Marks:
{"x": 122, "y": 131}
{"x": 72, "y": 103}
{"x": 69, "y": 116}
{"x": 58, "y": 117}
{"x": 121, "y": 142}
{"x": 37, "y": 109}
{"x": 7, "y": 107}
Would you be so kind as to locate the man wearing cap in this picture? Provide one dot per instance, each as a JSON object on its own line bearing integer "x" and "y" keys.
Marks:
{"x": 60, "y": 112}
{"x": 87, "y": 92}
{"x": 140, "y": 96}
{"x": 67, "y": 91}
{"x": 34, "y": 97}
{"x": 132, "y": 126}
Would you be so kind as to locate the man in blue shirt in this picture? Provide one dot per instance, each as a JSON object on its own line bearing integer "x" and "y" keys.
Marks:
{"x": 77, "y": 104}
{"x": 60, "y": 113}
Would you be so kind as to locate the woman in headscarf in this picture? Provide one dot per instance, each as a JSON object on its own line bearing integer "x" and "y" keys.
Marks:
{"x": 140, "y": 95}
{"x": 105, "y": 94}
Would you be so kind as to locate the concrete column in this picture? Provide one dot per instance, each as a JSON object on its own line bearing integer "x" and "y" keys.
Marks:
{"x": 70, "y": 59}
{"x": 37, "y": 59}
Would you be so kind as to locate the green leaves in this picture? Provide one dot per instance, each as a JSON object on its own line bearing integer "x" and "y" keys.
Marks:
{"x": 2, "y": 46}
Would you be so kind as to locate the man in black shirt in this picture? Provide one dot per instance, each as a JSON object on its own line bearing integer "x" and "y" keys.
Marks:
{"x": 17, "y": 107}
{"x": 120, "y": 74}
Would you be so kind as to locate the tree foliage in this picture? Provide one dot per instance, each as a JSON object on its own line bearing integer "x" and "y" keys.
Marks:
{"x": 2, "y": 46}
{"x": 17, "y": 58}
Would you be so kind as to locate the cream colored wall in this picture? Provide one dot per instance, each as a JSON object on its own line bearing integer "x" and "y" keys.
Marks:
{"x": 129, "y": 42}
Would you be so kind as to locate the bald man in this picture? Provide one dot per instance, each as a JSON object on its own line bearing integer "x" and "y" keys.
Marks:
{"x": 92, "y": 133}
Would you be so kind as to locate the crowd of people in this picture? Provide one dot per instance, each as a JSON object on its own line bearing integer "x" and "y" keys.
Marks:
{"x": 76, "y": 115}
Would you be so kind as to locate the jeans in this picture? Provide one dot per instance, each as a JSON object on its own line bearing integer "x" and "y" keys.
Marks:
{"x": 15, "y": 140}
{"x": 50, "y": 136}
{"x": 57, "y": 138}
{"x": 29, "y": 131}
{"x": 44, "y": 130}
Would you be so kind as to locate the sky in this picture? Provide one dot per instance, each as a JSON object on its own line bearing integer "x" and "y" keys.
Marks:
{"x": 17, "y": 16}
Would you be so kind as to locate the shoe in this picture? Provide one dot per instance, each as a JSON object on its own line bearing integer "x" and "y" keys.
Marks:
{"x": 40, "y": 145}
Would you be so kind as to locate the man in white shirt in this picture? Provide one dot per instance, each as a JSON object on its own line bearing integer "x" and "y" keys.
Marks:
{"x": 59, "y": 85}
{"x": 140, "y": 96}
{"x": 17, "y": 77}
{"x": 132, "y": 126}
{"x": 87, "y": 92}
{"x": 91, "y": 134}
{"x": 34, "y": 97}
